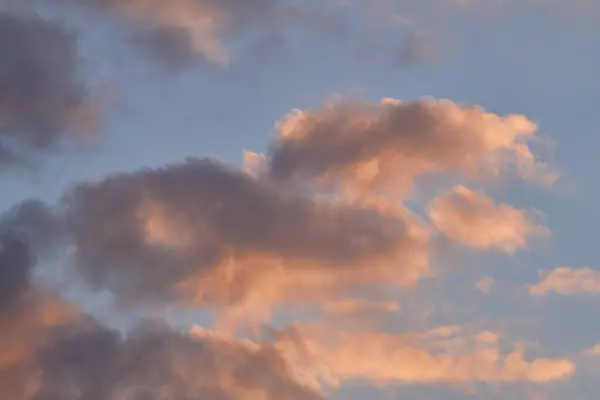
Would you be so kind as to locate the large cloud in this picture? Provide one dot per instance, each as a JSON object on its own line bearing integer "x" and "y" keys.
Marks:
{"x": 155, "y": 362}
{"x": 42, "y": 97}
{"x": 52, "y": 350}
{"x": 473, "y": 219}
{"x": 205, "y": 233}
{"x": 388, "y": 145}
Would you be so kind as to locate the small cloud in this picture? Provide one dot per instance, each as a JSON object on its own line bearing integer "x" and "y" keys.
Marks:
{"x": 567, "y": 282}
{"x": 473, "y": 219}
{"x": 485, "y": 285}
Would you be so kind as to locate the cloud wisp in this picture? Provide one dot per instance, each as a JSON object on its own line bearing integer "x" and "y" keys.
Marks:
{"x": 567, "y": 281}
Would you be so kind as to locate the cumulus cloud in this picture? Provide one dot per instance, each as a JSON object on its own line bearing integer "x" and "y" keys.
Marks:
{"x": 156, "y": 362}
{"x": 245, "y": 242}
{"x": 473, "y": 219}
{"x": 201, "y": 232}
{"x": 442, "y": 355}
{"x": 388, "y": 145}
{"x": 43, "y": 99}
{"x": 567, "y": 281}
{"x": 52, "y": 350}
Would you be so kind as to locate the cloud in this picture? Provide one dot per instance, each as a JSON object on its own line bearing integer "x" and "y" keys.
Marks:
{"x": 53, "y": 350}
{"x": 567, "y": 281}
{"x": 180, "y": 33}
{"x": 193, "y": 26}
{"x": 156, "y": 362}
{"x": 417, "y": 48}
{"x": 350, "y": 306}
{"x": 473, "y": 219}
{"x": 388, "y": 145}
{"x": 447, "y": 355}
{"x": 42, "y": 98}
{"x": 203, "y": 233}
{"x": 485, "y": 285}
{"x": 25, "y": 315}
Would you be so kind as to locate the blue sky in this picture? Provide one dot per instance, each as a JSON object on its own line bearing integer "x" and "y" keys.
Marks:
{"x": 539, "y": 60}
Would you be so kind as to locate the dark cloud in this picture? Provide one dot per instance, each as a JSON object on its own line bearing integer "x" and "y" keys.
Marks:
{"x": 42, "y": 96}
{"x": 16, "y": 262}
{"x": 84, "y": 360}
{"x": 36, "y": 223}
{"x": 53, "y": 351}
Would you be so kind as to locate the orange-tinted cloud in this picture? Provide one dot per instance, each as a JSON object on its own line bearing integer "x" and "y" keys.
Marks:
{"x": 204, "y": 233}
{"x": 473, "y": 219}
{"x": 51, "y": 349}
{"x": 388, "y": 145}
{"x": 442, "y": 355}
{"x": 567, "y": 281}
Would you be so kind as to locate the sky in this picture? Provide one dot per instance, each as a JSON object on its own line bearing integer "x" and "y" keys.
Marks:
{"x": 299, "y": 200}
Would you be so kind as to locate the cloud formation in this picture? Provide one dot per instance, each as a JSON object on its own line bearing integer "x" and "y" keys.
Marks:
{"x": 43, "y": 98}
{"x": 201, "y": 232}
{"x": 247, "y": 242}
{"x": 567, "y": 281}
{"x": 442, "y": 355}
{"x": 473, "y": 219}
{"x": 52, "y": 350}
{"x": 180, "y": 30}
{"x": 388, "y": 145}
{"x": 184, "y": 33}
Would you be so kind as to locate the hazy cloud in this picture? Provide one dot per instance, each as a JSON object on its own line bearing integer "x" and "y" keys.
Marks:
{"x": 205, "y": 233}
{"x": 485, "y": 285}
{"x": 567, "y": 281}
{"x": 43, "y": 98}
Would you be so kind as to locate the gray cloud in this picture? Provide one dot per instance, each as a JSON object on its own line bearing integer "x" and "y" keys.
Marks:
{"x": 54, "y": 351}
{"x": 16, "y": 262}
{"x": 42, "y": 97}
{"x": 227, "y": 234}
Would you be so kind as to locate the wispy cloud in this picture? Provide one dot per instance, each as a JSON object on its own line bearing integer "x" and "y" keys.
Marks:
{"x": 567, "y": 281}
